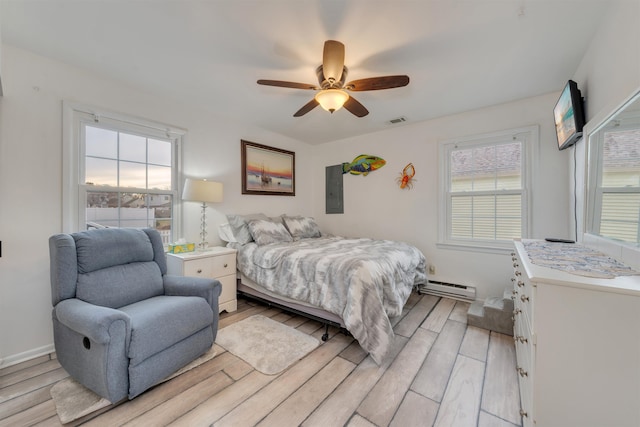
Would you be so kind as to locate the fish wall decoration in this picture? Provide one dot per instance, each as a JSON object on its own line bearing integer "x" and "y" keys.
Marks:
{"x": 363, "y": 164}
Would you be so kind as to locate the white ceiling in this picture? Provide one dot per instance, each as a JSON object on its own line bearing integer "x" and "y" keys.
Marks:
{"x": 460, "y": 55}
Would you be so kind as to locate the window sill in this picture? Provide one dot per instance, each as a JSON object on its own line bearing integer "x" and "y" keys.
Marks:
{"x": 501, "y": 249}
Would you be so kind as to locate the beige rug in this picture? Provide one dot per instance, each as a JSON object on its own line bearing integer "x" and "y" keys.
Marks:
{"x": 269, "y": 346}
{"x": 74, "y": 401}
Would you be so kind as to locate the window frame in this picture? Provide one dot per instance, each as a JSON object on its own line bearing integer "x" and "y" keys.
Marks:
{"x": 74, "y": 192}
{"x": 597, "y": 191}
{"x": 528, "y": 136}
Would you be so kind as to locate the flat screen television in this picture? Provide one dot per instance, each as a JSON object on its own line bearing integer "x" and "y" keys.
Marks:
{"x": 569, "y": 116}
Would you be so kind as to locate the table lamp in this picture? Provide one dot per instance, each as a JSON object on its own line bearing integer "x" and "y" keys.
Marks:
{"x": 206, "y": 192}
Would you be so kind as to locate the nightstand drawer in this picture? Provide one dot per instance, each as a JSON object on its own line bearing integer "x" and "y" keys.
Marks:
{"x": 199, "y": 268}
{"x": 223, "y": 265}
{"x": 217, "y": 263}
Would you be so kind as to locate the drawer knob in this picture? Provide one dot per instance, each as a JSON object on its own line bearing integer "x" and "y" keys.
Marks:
{"x": 516, "y": 265}
{"x": 521, "y": 339}
{"x": 524, "y": 298}
{"x": 518, "y": 273}
{"x": 199, "y": 271}
{"x": 517, "y": 311}
{"x": 522, "y": 372}
{"x": 513, "y": 279}
{"x": 226, "y": 265}
{"x": 523, "y": 413}
{"x": 520, "y": 283}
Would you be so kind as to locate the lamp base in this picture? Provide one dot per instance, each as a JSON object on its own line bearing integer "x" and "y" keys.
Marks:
{"x": 203, "y": 245}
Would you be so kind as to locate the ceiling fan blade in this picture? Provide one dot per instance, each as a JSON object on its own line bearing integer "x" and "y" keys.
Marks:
{"x": 306, "y": 108}
{"x": 377, "y": 83}
{"x": 355, "y": 107}
{"x": 292, "y": 85}
{"x": 333, "y": 60}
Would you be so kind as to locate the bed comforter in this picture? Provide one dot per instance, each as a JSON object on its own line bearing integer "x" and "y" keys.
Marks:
{"x": 363, "y": 281}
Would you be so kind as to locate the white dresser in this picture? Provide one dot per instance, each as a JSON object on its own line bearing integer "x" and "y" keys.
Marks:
{"x": 577, "y": 346}
{"x": 215, "y": 263}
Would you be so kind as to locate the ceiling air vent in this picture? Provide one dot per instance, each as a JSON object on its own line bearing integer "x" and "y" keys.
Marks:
{"x": 397, "y": 120}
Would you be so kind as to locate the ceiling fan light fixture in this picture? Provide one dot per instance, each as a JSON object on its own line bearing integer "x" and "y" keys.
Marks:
{"x": 332, "y": 99}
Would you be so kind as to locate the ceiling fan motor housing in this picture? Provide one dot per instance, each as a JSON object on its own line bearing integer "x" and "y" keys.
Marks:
{"x": 327, "y": 84}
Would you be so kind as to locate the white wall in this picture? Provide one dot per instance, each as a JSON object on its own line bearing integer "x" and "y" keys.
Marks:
{"x": 31, "y": 179}
{"x": 376, "y": 206}
{"x": 608, "y": 74}
{"x": 0, "y": 55}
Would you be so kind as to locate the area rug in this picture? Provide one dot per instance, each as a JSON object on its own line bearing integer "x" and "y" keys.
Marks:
{"x": 74, "y": 401}
{"x": 269, "y": 346}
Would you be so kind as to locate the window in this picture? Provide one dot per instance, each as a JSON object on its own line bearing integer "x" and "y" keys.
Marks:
{"x": 484, "y": 196}
{"x": 617, "y": 190}
{"x": 122, "y": 172}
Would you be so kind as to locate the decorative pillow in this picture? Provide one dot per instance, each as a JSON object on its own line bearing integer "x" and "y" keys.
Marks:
{"x": 278, "y": 219}
{"x": 301, "y": 227}
{"x": 239, "y": 227}
{"x": 267, "y": 231}
{"x": 226, "y": 233}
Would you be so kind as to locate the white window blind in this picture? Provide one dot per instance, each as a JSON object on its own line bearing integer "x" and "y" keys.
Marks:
{"x": 484, "y": 192}
{"x": 618, "y": 187}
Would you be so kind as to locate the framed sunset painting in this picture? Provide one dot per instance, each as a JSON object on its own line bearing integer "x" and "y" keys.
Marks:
{"x": 267, "y": 170}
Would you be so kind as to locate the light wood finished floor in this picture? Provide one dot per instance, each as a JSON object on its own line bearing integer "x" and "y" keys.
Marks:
{"x": 442, "y": 373}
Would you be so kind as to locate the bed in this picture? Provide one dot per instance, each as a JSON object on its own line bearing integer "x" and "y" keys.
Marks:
{"x": 354, "y": 283}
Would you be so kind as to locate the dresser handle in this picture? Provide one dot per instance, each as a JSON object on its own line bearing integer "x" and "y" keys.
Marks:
{"x": 520, "y": 283}
{"x": 524, "y": 298}
{"x": 199, "y": 271}
{"x": 523, "y": 413}
{"x": 517, "y": 273}
{"x": 521, "y": 339}
{"x": 516, "y": 265}
{"x": 522, "y": 372}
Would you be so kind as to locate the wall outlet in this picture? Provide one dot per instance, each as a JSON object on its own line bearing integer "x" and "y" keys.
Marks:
{"x": 432, "y": 269}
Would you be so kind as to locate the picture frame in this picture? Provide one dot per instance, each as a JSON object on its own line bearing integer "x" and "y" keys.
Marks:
{"x": 267, "y": 170}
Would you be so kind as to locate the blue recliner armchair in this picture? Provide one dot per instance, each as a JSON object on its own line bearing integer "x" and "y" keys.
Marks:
{"x": 120, "y": 324}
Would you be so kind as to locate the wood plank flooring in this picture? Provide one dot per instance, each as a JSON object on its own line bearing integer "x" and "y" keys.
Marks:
{"x": 442, "y": 373}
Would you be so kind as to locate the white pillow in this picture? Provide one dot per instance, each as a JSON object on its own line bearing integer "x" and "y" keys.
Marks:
{"x": 226, "y": 233}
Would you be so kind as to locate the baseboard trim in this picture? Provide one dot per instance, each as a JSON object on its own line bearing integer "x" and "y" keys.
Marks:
{"x": 5, "y": 362}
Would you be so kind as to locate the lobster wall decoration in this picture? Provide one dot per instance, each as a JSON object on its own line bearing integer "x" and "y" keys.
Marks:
{"x": 405, "y": 180}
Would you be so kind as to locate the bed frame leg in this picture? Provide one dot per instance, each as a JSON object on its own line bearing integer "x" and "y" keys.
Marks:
{"x": 326, "y": 332}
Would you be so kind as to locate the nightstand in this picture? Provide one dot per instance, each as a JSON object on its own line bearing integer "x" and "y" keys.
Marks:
{"x": 217, "y": 263}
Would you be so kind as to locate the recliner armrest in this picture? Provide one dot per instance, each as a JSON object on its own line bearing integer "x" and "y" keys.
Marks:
{"x": 92, "y": 321}
{"x": 209, "y": 289}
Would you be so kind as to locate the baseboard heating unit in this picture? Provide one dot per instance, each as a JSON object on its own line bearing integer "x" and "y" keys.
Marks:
{"x": 450, "y": 290}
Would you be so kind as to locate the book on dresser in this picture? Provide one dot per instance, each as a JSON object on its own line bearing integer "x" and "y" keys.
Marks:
{"x": 577, "y": 346}
{"x": 216, "y": 263}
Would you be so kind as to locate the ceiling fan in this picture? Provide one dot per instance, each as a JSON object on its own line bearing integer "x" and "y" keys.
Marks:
{"x": 332, "y": 75}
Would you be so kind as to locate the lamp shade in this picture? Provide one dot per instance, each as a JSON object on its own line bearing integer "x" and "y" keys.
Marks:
{"x": 202, "y": 191}
{"x": 332, "y": 99}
